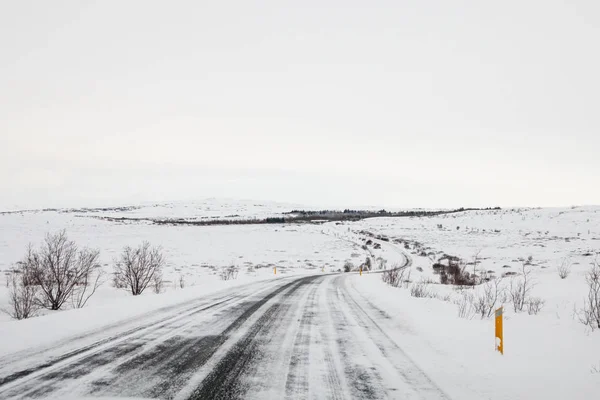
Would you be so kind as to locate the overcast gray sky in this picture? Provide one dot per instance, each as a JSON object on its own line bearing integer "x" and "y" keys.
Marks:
{"x": 391, "y": 103}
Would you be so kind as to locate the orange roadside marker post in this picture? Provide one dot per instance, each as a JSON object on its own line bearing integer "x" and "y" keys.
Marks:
{"x": 360, "y": 271}
{"x": 499, "y": 331}
{"x": 275, "y": 271}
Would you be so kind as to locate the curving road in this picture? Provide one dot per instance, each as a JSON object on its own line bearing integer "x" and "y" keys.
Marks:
{"x": 310, "y": 337}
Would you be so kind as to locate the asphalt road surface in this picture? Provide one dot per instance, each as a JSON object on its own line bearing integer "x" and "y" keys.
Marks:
{"x": 312, "y": 337}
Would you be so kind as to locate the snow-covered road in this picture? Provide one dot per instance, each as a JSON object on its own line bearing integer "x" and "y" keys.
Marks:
{"x": 313, "y": 337}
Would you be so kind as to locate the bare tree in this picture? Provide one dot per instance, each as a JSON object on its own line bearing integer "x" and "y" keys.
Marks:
{"x": 137, "y": 268}
{"x": 564, "y": 269}
{"x": 86, "y": 288}
{"x": 521, "y": 287}
{"x": 21, "y": 297}
{"x": 590, "y": 314}
{"x": 57, "y": 267}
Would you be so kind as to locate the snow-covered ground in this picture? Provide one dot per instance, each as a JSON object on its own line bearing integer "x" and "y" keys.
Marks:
{"x": 194, "y": 252}
{"x": 550, "y": 355}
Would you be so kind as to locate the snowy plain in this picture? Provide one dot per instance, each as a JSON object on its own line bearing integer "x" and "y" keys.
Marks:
{"x": 550, "y": 355}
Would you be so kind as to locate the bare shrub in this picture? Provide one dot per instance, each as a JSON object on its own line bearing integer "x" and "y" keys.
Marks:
{"x": 535, "y": 305}
{"x": 21, "y": 297}
{"x": 590, "y": 314}
{"x": 420, "y": 290}
{"x": 137, "y": 268}
{"x": 181, "y": 281}
{"x": 393, "y": 277}
{"x": 348, "y": 266}
{"x": 229, "y": 273}
{"x": 157, "y": 283}
{"x": 564, "y": 269}
{"x": 57, "y": 267}
{"x": 521, "y": 287}
{"x": 465, "y": 305}
{"x": 86, "y": 288}
{"x": 488, "y": 298}
{"x": 454, "y": 273}
{"x": 367, "y": 264}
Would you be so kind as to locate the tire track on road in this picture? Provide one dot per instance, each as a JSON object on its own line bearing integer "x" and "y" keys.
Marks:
{"x": 225, "y": 381}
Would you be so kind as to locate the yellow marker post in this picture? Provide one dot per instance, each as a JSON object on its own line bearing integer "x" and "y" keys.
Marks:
{"x": 499, "y": 331}
{"x": 275, "y": 271}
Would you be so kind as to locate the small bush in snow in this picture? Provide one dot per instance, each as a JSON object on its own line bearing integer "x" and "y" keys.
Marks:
{"x": 181, "y": 281}
{"x": 489, "y": 297}
{"x": 348, "y": 266}
{"x": 590, "y": 314}
{"x": 229, "y": 273}
{"x": 420, "y": 290}
{"x": 520, "y": 288}
{"x": 392, "y": 277}
{"x": 465, "y": 305}
{"x": 564, "y": 269}
{"x": 535, "y": 305}
{"x": 21, "y": 297}
{"x": 137, "y": 268}
{"x": 158, "y": 283}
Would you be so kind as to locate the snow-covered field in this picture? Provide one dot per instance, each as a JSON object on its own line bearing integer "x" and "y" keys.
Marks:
{"x": 550, "y": 355}
{"x": 193, "y": 252}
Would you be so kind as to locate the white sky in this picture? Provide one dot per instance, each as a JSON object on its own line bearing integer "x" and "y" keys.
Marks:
{"x": 392, "y": 103}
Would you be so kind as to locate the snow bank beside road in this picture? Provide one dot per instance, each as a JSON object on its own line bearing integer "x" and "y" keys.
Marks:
{"x": 61, "y": 325}
{"x": 545, "y": 357}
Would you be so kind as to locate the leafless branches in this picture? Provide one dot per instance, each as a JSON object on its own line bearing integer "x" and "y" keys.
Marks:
{"x": 490, "y": 295}
{"x": 590, "y": 314}
{"x": 420, "y": 290}
{"x": 57, "y": 267}
{"x": 157, "y": 283}
{"x": 137, "y": 268}
{"x": 86, "y": 289}
{"x": 465, "y": 305}
{"x": 21, "y": 297}
{"x": 229, "y": 273}
{"x": 521, "y": 287}
{"x": 535, "y": 305}
{"x": 564, "y": 269}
